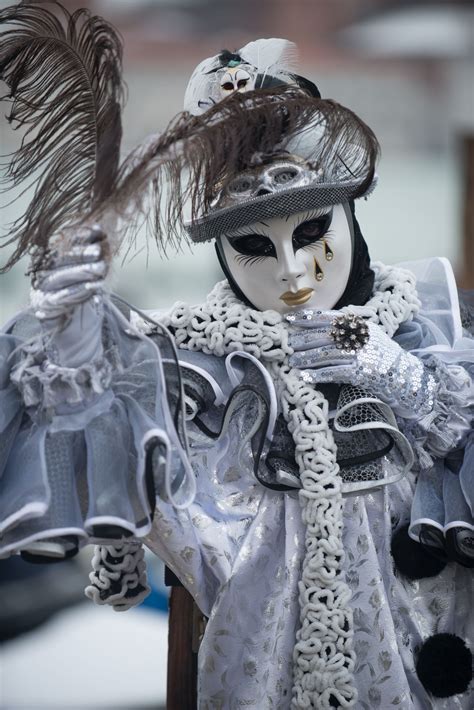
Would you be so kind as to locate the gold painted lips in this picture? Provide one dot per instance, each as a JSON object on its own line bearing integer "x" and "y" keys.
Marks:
{"x": 298, "y": 298}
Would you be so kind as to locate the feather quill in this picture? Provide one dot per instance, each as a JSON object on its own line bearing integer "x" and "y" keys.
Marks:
{"x": 64, "y": 75}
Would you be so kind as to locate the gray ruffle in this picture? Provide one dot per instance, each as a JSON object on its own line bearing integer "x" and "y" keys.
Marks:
{"x": 44, "y": 384}
{"x": 118, "y": 576}
{"x": 449, "y": 423}
{"x": 83, "y": 452}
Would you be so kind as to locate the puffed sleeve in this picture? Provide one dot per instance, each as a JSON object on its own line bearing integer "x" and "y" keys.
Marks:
{"x": 84, "y": 451}
{"x": 230, "y": 411}
{"x": 442, "y": 515}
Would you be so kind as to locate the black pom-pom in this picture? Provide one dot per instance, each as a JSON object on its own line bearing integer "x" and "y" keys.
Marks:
{"x": 411, "y": 558}
{"x": 444, "y": 665}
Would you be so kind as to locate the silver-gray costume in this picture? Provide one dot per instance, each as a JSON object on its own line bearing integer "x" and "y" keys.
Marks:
{"x": 121, "y": 456}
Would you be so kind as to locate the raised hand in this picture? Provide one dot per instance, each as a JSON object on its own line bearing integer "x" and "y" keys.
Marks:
{"x": 66, "y": 297}
{"x": 72, "y": 276}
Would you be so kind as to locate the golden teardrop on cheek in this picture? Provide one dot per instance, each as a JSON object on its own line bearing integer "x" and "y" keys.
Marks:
{"x": 318, "y": 272}
{"x": 328, "y": 252}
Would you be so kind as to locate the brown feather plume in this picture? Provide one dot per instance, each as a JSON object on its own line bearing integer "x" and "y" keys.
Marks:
{"x": 64, "y": 75}
{"x": 196, "y": 154}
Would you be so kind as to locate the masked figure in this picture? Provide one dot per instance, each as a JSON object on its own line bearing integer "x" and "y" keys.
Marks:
{"x": 285, "y": 446}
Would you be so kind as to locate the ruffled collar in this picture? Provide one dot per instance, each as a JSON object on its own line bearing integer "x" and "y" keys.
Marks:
{"x": 223, "y": 324}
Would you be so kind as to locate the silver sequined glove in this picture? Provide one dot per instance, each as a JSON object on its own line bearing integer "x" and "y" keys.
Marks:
{"x": 67, "y": 298}
{"x": 334, "y": 347}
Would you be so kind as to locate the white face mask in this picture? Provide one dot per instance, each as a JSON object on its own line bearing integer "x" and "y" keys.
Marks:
{"x": 287, "y": 263}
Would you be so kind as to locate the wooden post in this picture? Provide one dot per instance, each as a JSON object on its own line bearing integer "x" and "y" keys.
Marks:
{"x": 467, "y": 274}
{"x": 182, "y": 660}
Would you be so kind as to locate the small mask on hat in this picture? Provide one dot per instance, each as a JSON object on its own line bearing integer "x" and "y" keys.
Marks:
{"x": 237, "y": 78}
{"x": 280, "y": 174}
{"x": 217, "y": 77}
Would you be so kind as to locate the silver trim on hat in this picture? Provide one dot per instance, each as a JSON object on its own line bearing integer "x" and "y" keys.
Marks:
{"x": 279, "y": 203}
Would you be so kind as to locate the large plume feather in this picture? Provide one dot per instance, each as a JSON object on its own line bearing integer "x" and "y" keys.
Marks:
{"x": 64, "y": 75}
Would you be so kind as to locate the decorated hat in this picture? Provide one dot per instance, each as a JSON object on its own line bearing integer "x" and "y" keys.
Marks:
{"x": 327, "y": 160}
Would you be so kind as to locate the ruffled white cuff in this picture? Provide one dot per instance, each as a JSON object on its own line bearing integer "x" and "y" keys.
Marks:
{"x": 118, "y": 576}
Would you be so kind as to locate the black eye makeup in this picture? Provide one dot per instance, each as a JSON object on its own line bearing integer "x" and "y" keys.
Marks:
{"x": 252, "y": 247}
{"x": 311, "y": 230}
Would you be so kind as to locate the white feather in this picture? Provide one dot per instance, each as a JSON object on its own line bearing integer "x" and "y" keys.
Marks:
{"x": 268, "y": 56}
{"x": 265, "y": 54}
{"x": 198, "y": 87}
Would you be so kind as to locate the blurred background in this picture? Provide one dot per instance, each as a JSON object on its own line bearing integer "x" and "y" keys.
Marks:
{"x": 407, "y": 68}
